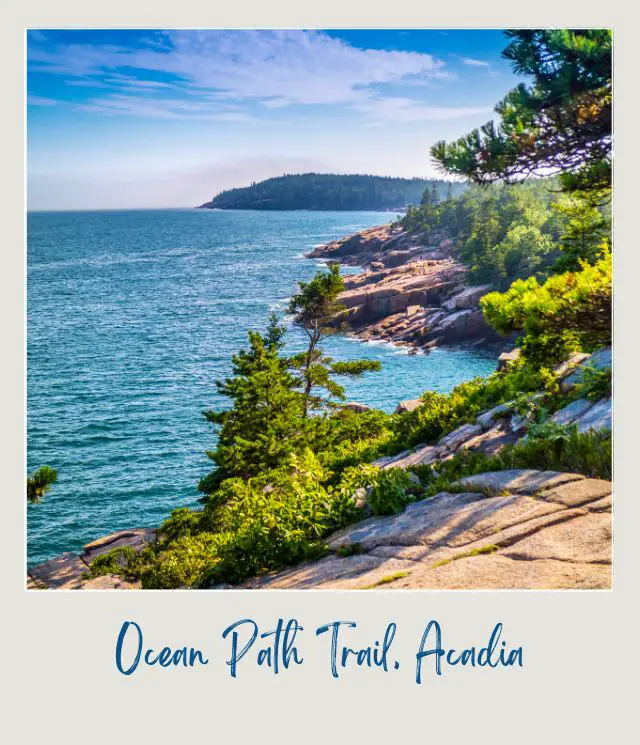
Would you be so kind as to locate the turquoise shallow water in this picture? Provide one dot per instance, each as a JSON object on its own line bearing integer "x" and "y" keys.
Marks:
{"x": 131, "y": 317}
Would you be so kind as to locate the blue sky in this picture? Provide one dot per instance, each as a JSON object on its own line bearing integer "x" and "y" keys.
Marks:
{"x": 127, "y": 119}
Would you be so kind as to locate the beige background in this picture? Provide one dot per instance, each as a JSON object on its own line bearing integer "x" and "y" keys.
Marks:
{"x": 579, "y": 679}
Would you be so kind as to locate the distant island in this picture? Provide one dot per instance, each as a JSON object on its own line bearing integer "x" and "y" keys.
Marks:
{"x": 330, "y": 191}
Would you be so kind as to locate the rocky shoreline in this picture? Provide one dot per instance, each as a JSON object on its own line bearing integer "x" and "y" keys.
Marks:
{"x": 411, "y": 292}
{"x": 513, "y": 529}
{"x": 543, "y": 529}
{"x": 70, "y": 571}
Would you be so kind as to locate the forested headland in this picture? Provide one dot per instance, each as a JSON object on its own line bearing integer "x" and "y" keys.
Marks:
{"x": 331, "y": 191}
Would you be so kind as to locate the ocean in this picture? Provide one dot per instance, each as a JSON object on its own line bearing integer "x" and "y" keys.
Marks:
{"x": 131, "y": 317}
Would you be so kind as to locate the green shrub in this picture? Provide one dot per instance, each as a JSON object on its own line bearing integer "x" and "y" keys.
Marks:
{"x": 594, "y": 383}
{"x": 547, "y": 429}
{"x": 183, "y": 562}
{"x": 349, "y": 438}
{"x": 391, "y": 492}
{"x": 249, "y": 527}
{"x": 182, "y": 522}
{"x": 587, "y": 453}
{"x": 553, "y": 448}
{"x": 440, "y": 413}
{"x": 569, "y": 312}
{"x": 113, "y": 562}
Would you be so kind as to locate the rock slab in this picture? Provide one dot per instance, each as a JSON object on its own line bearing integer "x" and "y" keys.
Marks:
{"x": 70, "y": 571}
{"x": 519, "y": 529}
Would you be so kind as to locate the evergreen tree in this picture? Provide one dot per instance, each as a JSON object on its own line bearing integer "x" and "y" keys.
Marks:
{"x": 560, "y": 124}
{"x": 315, "y": 308}
{"x": 480, "y": 250}
{"x": 588, "y": 229}
{"x": 264, "y": 424}
{"x": 39, "y": 483}
{"x": 434, "y": 195}
{"x": 504, "y": 232}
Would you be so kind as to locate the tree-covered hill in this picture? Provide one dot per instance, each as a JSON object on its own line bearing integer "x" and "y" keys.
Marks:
{"x": 330, "y": 191}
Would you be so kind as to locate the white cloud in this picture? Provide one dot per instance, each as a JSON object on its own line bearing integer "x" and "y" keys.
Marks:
{"x": 41, "y": 101}
{"x": 166, "y": 108}
{"x": 135, "y": 83}
{"x": 275, "y": 68}
{"x": 397, "y": 109}
{"x": 474, "y": 62}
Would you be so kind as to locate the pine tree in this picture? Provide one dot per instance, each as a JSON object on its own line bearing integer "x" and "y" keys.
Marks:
{"x": 434, "y": 196}
{"x": 39, "y": 483}
{"x": 315, "y": 308}
{"x": 588, "y": 229}
{"x": 561, "y": 124}
{"x": 264, "y": 424}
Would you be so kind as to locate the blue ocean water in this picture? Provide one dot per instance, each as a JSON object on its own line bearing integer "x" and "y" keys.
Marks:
{"x": 132, "y": 316}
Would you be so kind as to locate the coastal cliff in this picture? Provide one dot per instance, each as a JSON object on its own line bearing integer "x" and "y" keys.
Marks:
{"x": 412, "y": 292}
{"x": 519, "y": 521}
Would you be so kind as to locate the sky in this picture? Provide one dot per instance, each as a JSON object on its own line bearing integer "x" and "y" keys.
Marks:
{"x": 151, "y": 119}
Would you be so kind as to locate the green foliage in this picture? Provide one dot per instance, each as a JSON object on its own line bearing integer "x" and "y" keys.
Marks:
{"x": 264, "y": 424}
{"x": 263, "y": 523}
{"x": 392, "y": 491}
{"x": 440, "y": 413}
{"x": 113, "y": 561}
{"x": 180, "y": 563}
{"x": 586, "y": 453}
{"x": 560, "y": 124}
{"x": 568, "y": 312}
{"x": 39, "y": 483}
{"x": 316, "y": 302}
{"x": 389, "y": 491}
{"x": 315, "y": 307}
{"x": 347, "y": 438}
{"x": 587, "y": 230}
{"x": 594, "y": 383}
{"x": 551, "y": 449}
{"x": 327, "y": 191}
{"x": 505, "y": 232}
{"x": 183, "y": 522}
{"x": 548, "y": 430}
